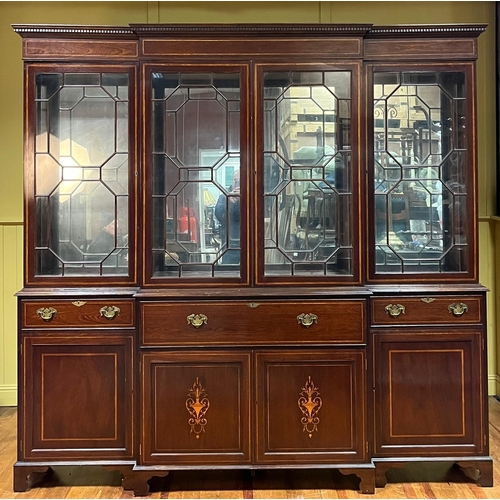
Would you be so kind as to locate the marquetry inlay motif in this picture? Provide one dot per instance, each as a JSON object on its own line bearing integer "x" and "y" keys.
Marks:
{"x": 197, "y": 405}
{"x": 310, "y": 403}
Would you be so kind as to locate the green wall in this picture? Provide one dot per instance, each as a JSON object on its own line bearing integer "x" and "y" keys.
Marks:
{"x": 116, "y": 13}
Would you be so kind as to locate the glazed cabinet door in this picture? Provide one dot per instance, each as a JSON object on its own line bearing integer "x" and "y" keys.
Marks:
{"x": 429, "y": 393}
{"x": 195, "y": 407}
{"x": 76, "y": 397}
{"x": 80, "y": 155}
{"x": 422, "y": 184}
{"x": 196, "y": 178}
{"x": 307, "y": 211}
{"x": 311, "y": 406}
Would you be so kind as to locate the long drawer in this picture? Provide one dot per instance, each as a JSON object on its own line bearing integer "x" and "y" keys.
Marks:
{"x": 246, "y": 323}
{"x": 77, "y": 313}
{"x": 426, "y": 310}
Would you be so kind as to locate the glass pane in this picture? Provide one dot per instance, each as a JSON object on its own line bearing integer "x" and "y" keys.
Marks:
{"x": 307, "y": 179}
{"x": 420, "y": 170}
{"x": 196, "y": 175}
{"x": 81, "y": 174}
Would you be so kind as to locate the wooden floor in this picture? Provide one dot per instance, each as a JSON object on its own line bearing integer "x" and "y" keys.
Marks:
{"x": 74, "y": 482}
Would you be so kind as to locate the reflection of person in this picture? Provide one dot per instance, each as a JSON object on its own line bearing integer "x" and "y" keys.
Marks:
{"x": 228, "y": 215}
{"x": 104, "y": 241}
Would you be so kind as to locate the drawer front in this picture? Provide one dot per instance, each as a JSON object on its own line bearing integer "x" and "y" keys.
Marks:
{"x": 426, "y": 310}
{"x": 246, "y": 323}
{"x": 77, "y": 313}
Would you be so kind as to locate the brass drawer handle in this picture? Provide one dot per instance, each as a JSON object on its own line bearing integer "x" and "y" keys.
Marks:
{"x": 109, "y": 312}
{"x": 46, "y": 313}
{"x": 307, "y": 319}
{"x": 395, "y": 310}
{"x": 197, "y": 320}
{"x": 458, "y": 309}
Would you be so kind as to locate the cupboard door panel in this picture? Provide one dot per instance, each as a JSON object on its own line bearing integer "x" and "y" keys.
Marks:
{"x": 196, "y": 407}
{"x": 429, "y": 395}
{"x": 311, "y": 406}
{"x": 77, "y": 397}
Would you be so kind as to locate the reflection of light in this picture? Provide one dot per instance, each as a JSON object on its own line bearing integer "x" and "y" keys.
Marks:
{"x": 71, "y": 171}
{"x": 74, "y": 156}
{"x": 71, "y": 175}
{"x": 208, "y": 198}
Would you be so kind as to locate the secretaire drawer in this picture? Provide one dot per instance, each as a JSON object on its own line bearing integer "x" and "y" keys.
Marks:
{"x": 244, "y": 323}
{"x": 426, "y": 310}
{"x": 77, "y": 313}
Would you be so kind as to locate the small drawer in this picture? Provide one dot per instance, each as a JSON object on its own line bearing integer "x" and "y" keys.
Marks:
{"x": 247, "y": 323}
{"x": 426, "y": 310}
{"x": 77, "y": 313}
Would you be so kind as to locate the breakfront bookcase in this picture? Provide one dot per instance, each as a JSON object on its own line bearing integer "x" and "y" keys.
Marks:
{"x": 251, "y": 246}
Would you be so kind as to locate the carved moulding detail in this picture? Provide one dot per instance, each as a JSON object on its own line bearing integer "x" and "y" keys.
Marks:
{"x": 197, "y": 404}
{"x": 310, "y": 403}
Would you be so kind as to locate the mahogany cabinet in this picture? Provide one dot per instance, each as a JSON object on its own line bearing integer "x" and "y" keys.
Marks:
{"x": 250, "y": 247}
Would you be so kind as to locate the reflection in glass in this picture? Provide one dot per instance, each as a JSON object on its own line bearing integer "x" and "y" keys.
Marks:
{"x": 307, "y": 180}
{"x": 81, "y": 174}
{"x": 196, "y": 175}
{"x": 420, "y": 168}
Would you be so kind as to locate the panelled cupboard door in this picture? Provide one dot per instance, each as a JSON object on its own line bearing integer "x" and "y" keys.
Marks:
{"x": 195, "y": 407}
{"x": 429, "y": 395}
{"x": 311, "y": 406}
{"x": 76, "y": 397}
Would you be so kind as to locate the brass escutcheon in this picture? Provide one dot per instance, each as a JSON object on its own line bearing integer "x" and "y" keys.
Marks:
{"x": 428, "y": 300}
{"x": 79, "y": 303}
{"x": 395, "y": 310}
{"x": 307, "y": 319}
{"x": 109, "y": 312}
{"x": 458, "y": 309}
{"x": 46, "y": 313}
{"x": 197, "y": 320}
